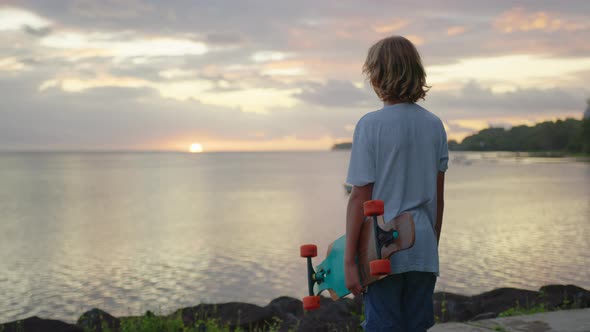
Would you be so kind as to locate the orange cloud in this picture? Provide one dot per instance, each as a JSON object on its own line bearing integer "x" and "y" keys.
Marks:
{"x": 284, "y": 68}
{"x": 417, "y": 40}
{"x": 338, "y": 69}
{"x": 455, "y": 30}
{"x": 517, "y": 19}
{"x": 391, "y": 27}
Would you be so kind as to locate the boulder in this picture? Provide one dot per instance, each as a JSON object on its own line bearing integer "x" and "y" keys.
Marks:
{"x": 502, "y": 299}
{"x": 285, "y": 305}
{"x": 452, "y": 307}
{"x": 96, "y": 320}
{"x": 288, "y": 310}
{"x": 36, "y": 324}
{"x": 342, "y": 315}
{"x": 564, "y": 297}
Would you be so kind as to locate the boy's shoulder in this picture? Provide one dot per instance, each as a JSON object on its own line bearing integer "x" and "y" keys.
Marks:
{"x": 421, "y": 111}
{"x": 368, "y": 118}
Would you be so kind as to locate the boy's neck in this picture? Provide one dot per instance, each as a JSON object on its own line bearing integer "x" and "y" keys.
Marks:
{"x": 392, "y": 102}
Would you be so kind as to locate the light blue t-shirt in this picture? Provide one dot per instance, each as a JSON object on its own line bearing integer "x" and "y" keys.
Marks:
{"x": 401, "y": 148}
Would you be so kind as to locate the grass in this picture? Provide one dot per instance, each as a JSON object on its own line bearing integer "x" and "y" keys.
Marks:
{"x": 443, "y": 311}
{"x": 517, "y": 310}
{"x": 152, "y": 323}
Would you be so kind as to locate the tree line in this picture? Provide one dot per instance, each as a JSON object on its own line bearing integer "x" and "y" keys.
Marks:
{"x": 569, "y": 135}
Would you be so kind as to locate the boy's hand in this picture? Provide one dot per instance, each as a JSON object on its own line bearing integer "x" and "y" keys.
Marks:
{"x": 351, "y": 274}
{"x": 354, "y": 222}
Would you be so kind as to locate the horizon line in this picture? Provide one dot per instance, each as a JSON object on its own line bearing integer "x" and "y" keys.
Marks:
{"x": 148, "y": 151}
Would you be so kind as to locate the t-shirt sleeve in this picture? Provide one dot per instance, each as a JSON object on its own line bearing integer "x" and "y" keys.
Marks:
{"x": 361, "y": 169}
{"x": 443, "y": 161}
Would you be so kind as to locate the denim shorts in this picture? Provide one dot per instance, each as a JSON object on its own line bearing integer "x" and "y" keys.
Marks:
{"x": 400, "y": 302}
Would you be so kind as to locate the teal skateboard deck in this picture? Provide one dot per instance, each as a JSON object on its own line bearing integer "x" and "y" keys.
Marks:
{"x": 332, "y": 271}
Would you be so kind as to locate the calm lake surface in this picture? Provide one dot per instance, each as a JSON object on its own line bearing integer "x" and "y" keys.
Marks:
{"x": 129, "y": 232}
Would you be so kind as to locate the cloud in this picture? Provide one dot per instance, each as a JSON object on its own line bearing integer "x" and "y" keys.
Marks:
{"x": 460, "y": 128}
{"x": 122, "y": 45}
{"x": 37, "y": 32}
{"x": 11, "y": 64}
{"x": 111, "y": 9}
{"x": 173, "y": 71}
{"x": 224, "y": 38}
{"x": 391, "y": 27}
{"x": 284, "y": 68}
{"x": 416, "y": 40}
{"x": 474, "y": 101}
{"x": 131, "y": 118}
{"x": 475, "y": 107}
{"x": 337, "y": 94}
{"x": 455, "y": 30}
{"x": 518, "y": 19}
{"x": 516, "y": 70}
{"x": 138, "y": 118}
{"x": 12, "y": 18}
{"x": 267, "y": 56}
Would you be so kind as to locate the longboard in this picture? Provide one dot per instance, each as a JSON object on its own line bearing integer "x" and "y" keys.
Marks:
{"x": 378, "y": 240}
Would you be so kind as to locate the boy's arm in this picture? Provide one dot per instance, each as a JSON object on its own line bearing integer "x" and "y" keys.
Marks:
{"x": 440, "y": 203}
{"x": 354, "y": 219}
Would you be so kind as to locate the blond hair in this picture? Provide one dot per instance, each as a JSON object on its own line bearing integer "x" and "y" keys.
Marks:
{"x": 394, "y": 69}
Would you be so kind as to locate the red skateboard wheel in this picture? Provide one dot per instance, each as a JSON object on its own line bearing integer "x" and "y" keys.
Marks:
{"x": 311, "y": 302}
{"x": 309, "y": 250}
{"x": 380, "y": 267}
{"x": 373, "y": 208}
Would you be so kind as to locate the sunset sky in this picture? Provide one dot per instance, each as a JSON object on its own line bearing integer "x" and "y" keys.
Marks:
{"x": 273, "y": 75}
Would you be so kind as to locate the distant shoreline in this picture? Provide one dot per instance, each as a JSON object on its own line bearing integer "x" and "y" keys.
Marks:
{"x": 504, "y": 153}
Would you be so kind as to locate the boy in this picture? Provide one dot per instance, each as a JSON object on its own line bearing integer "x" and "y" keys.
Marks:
{"x": 399, "y": 155}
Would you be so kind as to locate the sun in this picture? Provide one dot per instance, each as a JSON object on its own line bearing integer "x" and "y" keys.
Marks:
{"x": 196, "y": 148}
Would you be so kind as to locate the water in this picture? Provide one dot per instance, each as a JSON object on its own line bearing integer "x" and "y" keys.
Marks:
{"x": 129, "y": 232}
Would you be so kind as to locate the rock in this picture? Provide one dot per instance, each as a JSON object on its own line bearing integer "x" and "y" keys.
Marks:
{"x": 286, "y": 305}
{"x": 502, "y": 299}
{"x": 97, "y": 320}
{"x": 342, "y": 315}
{"x": 36, "y": 324}
{"x": 452, "y": 307}
{"x": 564, "y": 297}
{"x": 288, "y": 310}
{"x": 485, "y": 315}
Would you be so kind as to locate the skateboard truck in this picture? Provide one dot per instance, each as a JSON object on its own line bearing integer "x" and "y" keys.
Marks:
{"x": 312, "y": 302}
{"x": 387, "y": 238}
{"x": 380, "y": 266}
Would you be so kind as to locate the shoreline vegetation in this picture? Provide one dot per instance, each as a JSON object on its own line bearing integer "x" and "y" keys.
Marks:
{"x": 562, "y": 138}
{"x": 286, "y": 313}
